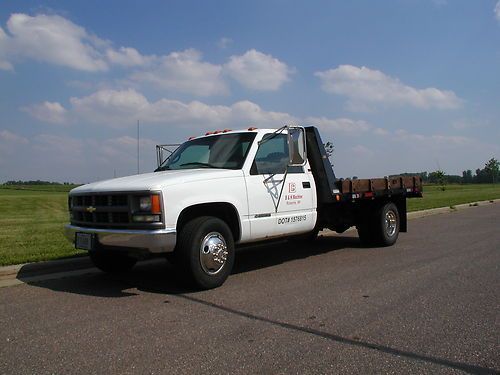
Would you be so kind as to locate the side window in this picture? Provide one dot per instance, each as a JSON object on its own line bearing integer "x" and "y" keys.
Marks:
{"x": 272, "y": 155}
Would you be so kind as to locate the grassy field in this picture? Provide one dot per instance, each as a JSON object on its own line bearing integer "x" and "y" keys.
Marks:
{"x": 32, "y": 217}
{"x": 31, "y": 223}
{"x": 453, "y": 195}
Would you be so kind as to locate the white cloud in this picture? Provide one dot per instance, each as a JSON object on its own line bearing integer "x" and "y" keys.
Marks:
{"x": 497, "y": 11}
{"x": 440, "y": 3}
{"x": 185, "y": 72}
{"x": 56, "y": 40}
{"x": 380, "y": 131}
{"x": 53, "y": 39}
{"x": 4, "y": 40}
{"x": 245, "y": 112}
{"x": 224, "y": 42}
{"x": 364, "y": 86}
{"x": 360, "y": 151}
{"x": 342, "y": 125}
{"x": 11, "y": 138}
{"x": 127, "y": 56}
{"x": 10, "y": 145}
{"x": 434, "y": 139}
{"x": 123, "y": 108}
{"x": 430, "y": 140}
{"x": 468, "y": 124}
{"x": 71, "y": 149}
{"x": 258, "y": 71}
{"x": 51, "y": 112}
{"x": 110, "y": 107}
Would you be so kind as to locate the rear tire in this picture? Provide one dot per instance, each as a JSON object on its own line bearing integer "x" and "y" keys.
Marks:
{"x": 112, "y": 262}
{"x": 381, "y": 228}
{"x": 205, "y": 251}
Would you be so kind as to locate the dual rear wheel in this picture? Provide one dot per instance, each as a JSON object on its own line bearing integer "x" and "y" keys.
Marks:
{"x": 380, "y": 227}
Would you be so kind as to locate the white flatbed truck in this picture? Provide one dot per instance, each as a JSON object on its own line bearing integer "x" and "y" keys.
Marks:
{"x": 227, "y": 188}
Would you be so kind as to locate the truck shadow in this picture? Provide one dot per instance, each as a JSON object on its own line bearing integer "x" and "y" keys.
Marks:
{"x": 267, "y": 255}
{"x": 161, "y": 277}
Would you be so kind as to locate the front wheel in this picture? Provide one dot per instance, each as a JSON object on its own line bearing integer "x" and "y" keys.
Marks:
{"x": 205, "y": 251}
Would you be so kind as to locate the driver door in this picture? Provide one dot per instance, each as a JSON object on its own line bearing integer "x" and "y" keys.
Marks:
{"x": 279, "y": 203}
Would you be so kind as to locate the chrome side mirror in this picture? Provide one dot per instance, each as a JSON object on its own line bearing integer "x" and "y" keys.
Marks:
{"x": 297, "y": 149}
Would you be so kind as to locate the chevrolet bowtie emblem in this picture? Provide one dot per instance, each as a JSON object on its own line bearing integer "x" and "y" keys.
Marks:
{"x": 90, "y": 209}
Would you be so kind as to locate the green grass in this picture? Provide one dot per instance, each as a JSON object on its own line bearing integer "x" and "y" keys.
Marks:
{"x": 31, "y": 223}
{"x": 32, "y": 217}
{"x": 453, "y": 195}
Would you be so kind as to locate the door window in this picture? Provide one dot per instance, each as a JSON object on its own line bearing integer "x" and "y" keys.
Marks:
{"x": 272, "y": 155}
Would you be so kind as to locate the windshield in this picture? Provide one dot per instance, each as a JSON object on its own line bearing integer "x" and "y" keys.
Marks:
{"x": 225, "y": 151}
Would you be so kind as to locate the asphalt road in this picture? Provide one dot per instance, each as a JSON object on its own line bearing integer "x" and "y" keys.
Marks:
{"x": 429, "y": 304}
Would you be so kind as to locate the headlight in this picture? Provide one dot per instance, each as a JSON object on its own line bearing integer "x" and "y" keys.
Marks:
{"x": 145, "y": 204}
{"x": 149, "y": 203}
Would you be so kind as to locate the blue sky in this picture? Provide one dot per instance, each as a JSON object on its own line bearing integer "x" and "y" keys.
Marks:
{"x": 397, "y": 86}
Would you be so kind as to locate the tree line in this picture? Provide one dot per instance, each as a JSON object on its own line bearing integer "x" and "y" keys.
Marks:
{"x": 487, "y": 175}
{"x": 37, "y": 182}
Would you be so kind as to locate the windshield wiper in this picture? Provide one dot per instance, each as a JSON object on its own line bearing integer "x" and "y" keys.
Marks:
{"x": 164, "y": 168}
{"x": 197, "y": 163}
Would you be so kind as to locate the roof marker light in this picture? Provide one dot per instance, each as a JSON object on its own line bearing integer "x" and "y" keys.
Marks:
{"x": 251, "y": 128}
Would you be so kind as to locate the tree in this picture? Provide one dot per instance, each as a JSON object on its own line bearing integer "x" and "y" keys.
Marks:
{"x": 329, "y": 148}
{"x": 467, "y": 176}
{"x": 492, "y": 170}
{"x": 438, "y": 177}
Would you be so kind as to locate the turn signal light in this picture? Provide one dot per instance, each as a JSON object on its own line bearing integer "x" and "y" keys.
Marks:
{"x": 155, "y": 204}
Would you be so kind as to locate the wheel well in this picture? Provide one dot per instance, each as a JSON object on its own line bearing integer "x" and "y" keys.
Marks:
{"x": 372, "y": 206}
{"x": 222, "y": 210}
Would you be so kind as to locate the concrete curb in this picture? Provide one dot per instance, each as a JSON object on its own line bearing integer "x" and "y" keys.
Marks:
{"x": 56, "y": 269}
{"x": 445, "y": 210}
{"x": 46, "y": 270}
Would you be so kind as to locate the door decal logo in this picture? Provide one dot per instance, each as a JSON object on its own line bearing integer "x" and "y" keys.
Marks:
{"x": 292, "y": 197}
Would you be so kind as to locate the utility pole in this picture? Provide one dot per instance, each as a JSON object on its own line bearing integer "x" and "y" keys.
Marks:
{"x": 138, "y": 147}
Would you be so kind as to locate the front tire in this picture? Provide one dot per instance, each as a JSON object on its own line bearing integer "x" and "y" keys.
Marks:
{"x": 205, "y": 251}
{"x": 112, "y": 262}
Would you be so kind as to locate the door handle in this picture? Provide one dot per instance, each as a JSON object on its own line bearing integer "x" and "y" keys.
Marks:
{"x": 306, "y": 185}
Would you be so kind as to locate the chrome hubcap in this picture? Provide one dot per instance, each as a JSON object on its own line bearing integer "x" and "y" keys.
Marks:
{"x": 213, "y": 253}
{"x": 390, "y": 223}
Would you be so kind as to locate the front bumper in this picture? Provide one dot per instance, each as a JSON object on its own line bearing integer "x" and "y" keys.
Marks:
{"x": 153, "y": 241}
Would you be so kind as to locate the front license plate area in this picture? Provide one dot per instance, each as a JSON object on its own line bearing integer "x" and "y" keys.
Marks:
{"x": 84, "y": 241}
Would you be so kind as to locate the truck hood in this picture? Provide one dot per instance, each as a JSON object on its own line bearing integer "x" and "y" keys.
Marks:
{"x": 157, "y": 180}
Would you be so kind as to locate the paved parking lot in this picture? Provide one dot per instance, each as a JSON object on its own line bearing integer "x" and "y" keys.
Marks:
{"x": 429, "y": 304}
